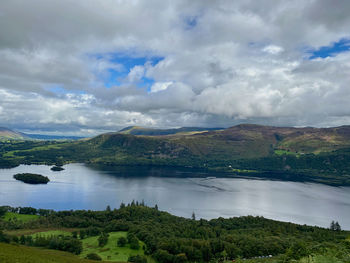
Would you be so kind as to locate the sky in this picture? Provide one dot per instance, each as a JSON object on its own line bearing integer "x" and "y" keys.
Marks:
{"x": 83, "y": 67}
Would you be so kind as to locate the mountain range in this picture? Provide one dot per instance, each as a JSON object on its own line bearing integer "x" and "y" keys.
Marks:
{"x": 302, "y": 154}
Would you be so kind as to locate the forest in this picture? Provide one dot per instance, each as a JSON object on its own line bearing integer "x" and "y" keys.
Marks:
{"x": 171, "y": 239}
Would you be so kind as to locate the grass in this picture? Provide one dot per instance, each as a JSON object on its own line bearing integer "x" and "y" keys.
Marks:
{"x": 17, "y": 253}
{"x": 111, "y": 251}
{"x": 52, "y": 233}
{"x": 41, "y": 231}
{"x": 19, "y": 217}
{"x": 283, "y": 152}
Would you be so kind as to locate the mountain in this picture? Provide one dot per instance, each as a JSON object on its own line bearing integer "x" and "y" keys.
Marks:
{"x": 301, "y": 154}
{"x": 237, "y": 142}
{"x": 53, "y": 137}
{"x": 137, "y": 130}
{"x": 7, "y": 134}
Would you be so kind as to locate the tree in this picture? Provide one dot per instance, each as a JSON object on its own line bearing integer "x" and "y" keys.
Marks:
{"x": 108, "y": 208}
{"x": 82, "y": 234}
{"x": 193, "y": 216}
{"x": 3, "y": 211}
{"x": 103, "y": 239}
{"x": 121, "y": 242}
{"x": 75, "y": 234}
{"x": 297, "y": 251}
{"x": 133, "y": 241}
{"x": 337, "y": 226}
{"x": 22, "y": 239}
{"x": 180, "y": 258}
{"x": 137, "y": 259}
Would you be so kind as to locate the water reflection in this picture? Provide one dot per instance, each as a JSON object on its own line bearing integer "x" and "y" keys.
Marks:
{"x": 179, "y": 192}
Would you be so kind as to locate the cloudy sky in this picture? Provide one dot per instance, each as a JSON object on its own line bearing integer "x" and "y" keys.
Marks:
{"x": 82, "y": 67}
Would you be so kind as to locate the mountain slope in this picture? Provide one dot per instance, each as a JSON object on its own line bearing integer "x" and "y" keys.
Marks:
{"x": 7, "y": 134}
{"x": 137, "y": 130}
{"x": 10, "y": 253}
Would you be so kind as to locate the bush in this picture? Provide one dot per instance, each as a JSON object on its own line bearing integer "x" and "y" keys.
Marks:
{"x": 93, "y": 256}
{"x": 137, "y": 259}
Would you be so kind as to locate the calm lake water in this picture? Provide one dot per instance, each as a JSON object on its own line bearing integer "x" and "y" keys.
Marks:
{"x": 178, "y": 192}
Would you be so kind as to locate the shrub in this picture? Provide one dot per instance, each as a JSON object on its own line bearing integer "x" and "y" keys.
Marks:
{"x": 93, "y": 256}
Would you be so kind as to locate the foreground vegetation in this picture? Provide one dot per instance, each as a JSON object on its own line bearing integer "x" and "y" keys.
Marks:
{"x": 10, "y": 253}
{"x": 137, "y": 233}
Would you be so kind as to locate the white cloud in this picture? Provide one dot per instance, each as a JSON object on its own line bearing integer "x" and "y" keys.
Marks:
{"x": 159, "y": 86}
{"x": 240, "y": 61}
{"x": 272, "y": 49}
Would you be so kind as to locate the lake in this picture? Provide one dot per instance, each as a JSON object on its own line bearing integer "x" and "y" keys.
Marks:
{"x": 179, "y": 192}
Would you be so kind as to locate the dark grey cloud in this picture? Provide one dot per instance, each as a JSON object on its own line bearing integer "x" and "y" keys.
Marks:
{"x": 225, "y": 62}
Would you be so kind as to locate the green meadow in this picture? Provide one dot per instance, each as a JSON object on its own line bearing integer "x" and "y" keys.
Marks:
{"x": 19, "y": 217}
{"x": 111, "y": 251}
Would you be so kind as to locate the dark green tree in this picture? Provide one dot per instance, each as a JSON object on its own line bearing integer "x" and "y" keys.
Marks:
{"x": 121, "y": 242}
{"x": 103, "y": 239}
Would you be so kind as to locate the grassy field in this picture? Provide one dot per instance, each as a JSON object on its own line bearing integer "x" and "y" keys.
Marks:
{"x": 111, "y": 251}
{"x": 17, "y": 253}
{"x": 283, "y": 152}
{"x": 41, "y": 231}
{"x": 19, "y": 217}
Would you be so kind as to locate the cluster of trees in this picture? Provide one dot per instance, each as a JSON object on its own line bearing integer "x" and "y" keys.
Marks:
{"x": 25, "y": 210}
{"x": 335, "y": 226}
{"x": 131, "y": 240}
{"x": 58, "y": 242}
{"x": 171, "y": 239}
{"x": 57, "y": 168}
{"x": 30, "y": 178}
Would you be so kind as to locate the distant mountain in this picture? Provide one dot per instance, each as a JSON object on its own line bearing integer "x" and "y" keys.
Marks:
{"x": 137, "y": 130}
{"x": 53, "y": 137}
{"x": 7, "y": 134}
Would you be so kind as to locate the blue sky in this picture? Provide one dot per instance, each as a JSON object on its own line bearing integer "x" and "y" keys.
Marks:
{"x": 117, "y": 77}
{"x": 331, "y": 50}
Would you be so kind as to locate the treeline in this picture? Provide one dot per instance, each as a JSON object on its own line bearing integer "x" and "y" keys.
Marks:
{"x": 171, "y": 239}
{"x": 58, "y": 242}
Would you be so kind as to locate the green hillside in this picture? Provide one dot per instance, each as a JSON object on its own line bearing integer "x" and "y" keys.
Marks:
{"x": 10, "y": 253}
{"x": 302, "y": 154}
{"x": 153, "y": 236}
{"x": 137, "y": 130}
{"x": 7, "y": 134}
